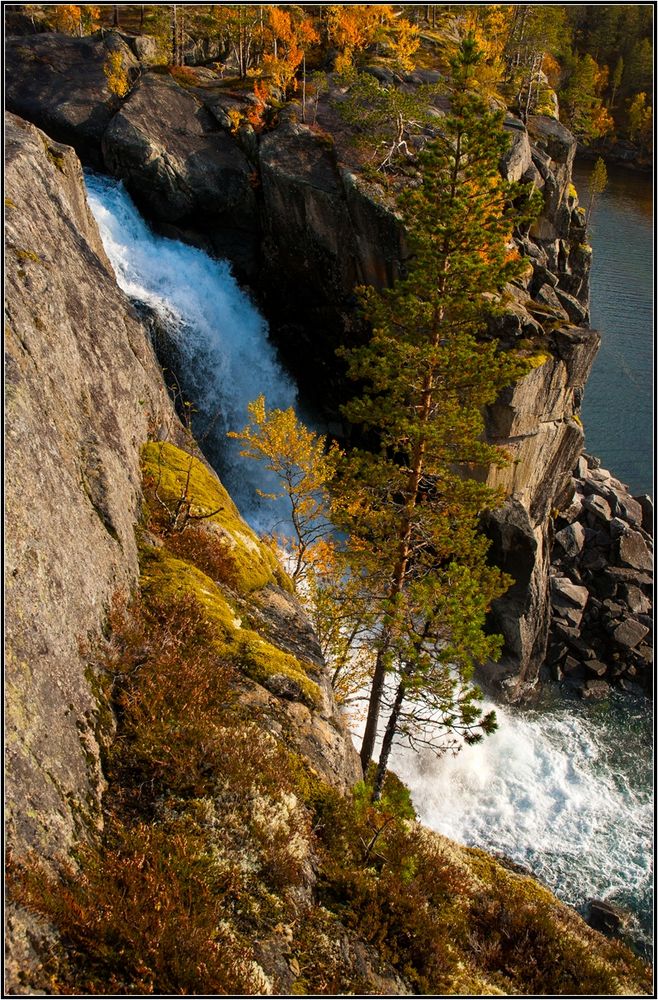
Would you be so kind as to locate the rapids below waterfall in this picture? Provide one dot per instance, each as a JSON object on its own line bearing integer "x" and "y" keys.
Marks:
{"x": 564, "y": 788}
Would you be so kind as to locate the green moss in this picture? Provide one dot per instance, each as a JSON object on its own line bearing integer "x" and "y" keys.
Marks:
{"x": 266, "y": 664}
{"x": 284, "y": 581}
{"x": 168, "y": 467}
{"x": 577, "y": 418}
{"x": 9, "y": 203}
{"x": 27, "y": 255}
{"x": 537, "y": 360}
{"x": 164, "y": 576}
{"x": 539, "y": 307}
{"x": 53, "y": 155}
{"x": 573, "y": 193}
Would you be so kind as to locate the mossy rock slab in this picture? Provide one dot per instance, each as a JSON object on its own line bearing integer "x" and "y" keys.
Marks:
{"x": 179, "y": 474}
{"x": 164, "y": 576}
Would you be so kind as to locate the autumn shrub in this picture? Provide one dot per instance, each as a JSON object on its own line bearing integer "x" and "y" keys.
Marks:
{"x": 118, "y": 81}
{"x": 185, "y": 75}
{"x": 205, "y": 835}
{"x": 207, "y": 552}
{"x": 169, "y": 686}
{"x": 326, "y": 967}
{"x": 521, "y": 941}
{"x": 142, "y": 914}
{"x": 386, "y": 882}
{"x": 182, "y": 735}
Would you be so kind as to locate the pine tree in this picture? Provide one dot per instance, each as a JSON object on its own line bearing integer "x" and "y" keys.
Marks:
{"x": 412, "y": 506}
{"x": 597, "y": 183}
{"x": 582, "y": 106}
{"x": 640, "y": 120}
{"x": 386, "y": 117}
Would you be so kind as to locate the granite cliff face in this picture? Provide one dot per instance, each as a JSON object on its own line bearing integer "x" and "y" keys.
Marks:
{"x": 84, "y": 392}
{"x": 82, "y": 387}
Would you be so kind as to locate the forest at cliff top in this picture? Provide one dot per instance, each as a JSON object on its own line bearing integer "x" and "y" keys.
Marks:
{"x": 598, "y": 59}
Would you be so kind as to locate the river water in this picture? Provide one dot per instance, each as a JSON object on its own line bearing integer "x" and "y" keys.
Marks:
{"x": 564, "y": 789}
{"x": 617, "y": 405}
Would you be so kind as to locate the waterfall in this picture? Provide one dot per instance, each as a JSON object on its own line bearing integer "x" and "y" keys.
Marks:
{"x": 226, "y": 357}
{"x": 565, "y": 789}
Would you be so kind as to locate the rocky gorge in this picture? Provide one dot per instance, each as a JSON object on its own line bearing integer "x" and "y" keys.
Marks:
{"x": 299, "y": 223}
{"x": 302, "y": 228}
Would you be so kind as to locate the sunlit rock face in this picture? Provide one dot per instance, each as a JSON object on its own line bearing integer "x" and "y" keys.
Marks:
{"x": 82, "y": 387}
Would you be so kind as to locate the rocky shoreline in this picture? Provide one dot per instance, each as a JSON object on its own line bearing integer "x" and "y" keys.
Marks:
{"x": 601, "y": 586}
{"x": 618, "y": 154}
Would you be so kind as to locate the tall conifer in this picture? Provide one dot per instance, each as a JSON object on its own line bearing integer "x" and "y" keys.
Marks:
{"x": 412, "y": 508}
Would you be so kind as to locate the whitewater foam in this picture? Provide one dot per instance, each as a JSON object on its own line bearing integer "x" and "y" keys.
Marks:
{"x": 565, "y": 791}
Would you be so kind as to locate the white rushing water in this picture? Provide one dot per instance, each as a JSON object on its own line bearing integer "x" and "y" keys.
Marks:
{"x": 565, "y": 789}
{"x": 227, "y": 359}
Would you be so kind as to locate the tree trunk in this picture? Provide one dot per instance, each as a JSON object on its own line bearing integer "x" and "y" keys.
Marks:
{"x": 174, "y": 34}
{"x": 397, "y": 585}
{"x": 387, "y": 744}
{"x": 115, "y": 15}
{"x": 415, "y": 477}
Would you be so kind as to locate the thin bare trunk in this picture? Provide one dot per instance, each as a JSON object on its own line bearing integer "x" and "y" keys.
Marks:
{"x": 387, "y": 744}
{"x": 400, "y": 571}
{"x": 174, "y": 34}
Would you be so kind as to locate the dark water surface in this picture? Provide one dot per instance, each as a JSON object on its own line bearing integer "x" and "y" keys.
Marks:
{"x": 617, "y": 406}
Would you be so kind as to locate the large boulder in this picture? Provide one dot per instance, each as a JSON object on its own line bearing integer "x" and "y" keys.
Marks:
{"x": 58, "y": 83}
{"x": 522, "y": 614}
{"x": 518, "y": 158}
{"x": 633, "y": 551}
{"x": 182, "y": 168}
